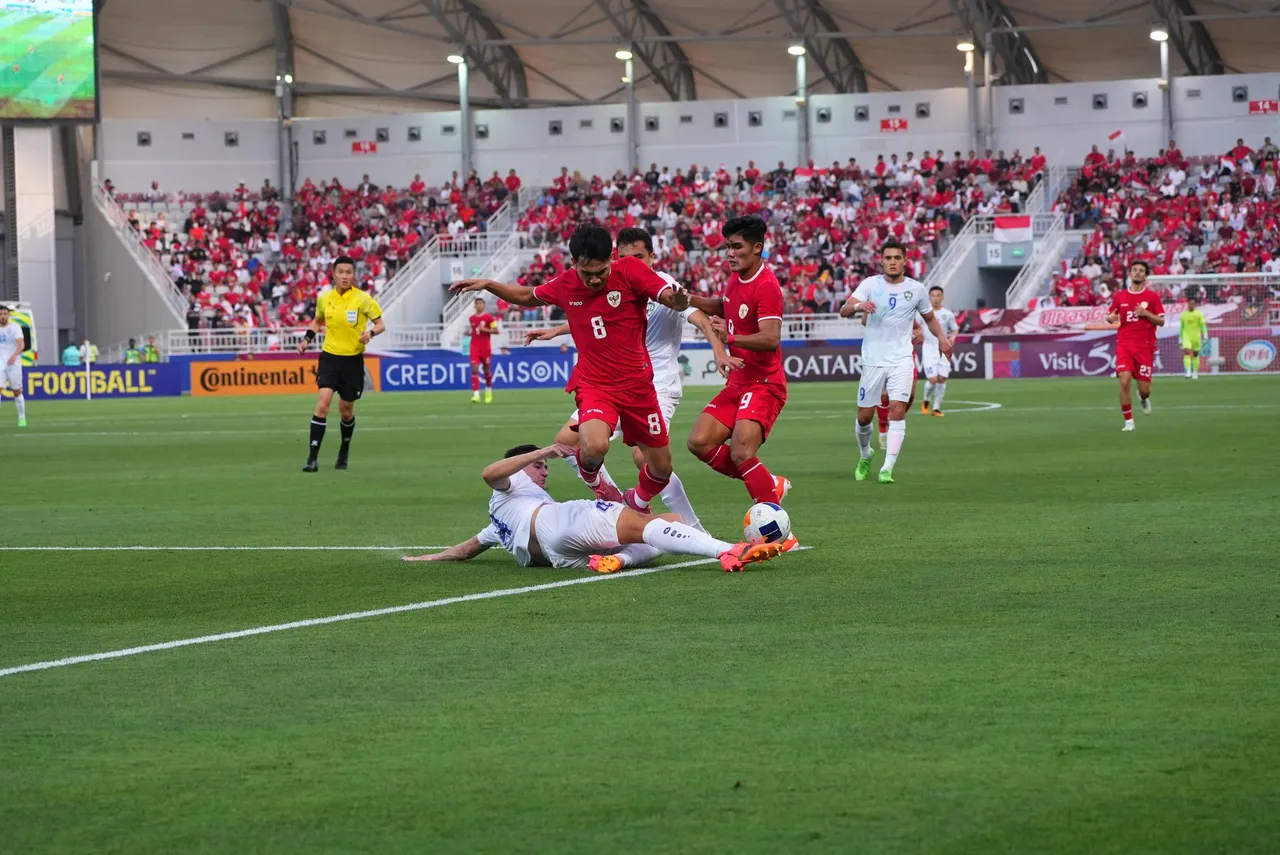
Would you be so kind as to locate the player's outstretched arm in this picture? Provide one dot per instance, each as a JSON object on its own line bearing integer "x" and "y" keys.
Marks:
{"x": 769, "y": 338}
{"x": 464, "y": 551}
{"x": 944, "y": 343}
{"x": 545, "y": 335}
{"x": 712, "y": 306}
{"x": 520, "y": 295}
{"x": 676, "y": 299}
{"x": 724, "y": 362}
{"x": 498, "y": 473}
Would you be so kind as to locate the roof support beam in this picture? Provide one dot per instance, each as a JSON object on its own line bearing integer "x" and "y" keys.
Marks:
{"x": 665, "y": 59}
{"x": 467, "y": 26}
{"x": 834, "y": 57}
{"x": 1190, "y": 39}
{"x": 991, "y": 23}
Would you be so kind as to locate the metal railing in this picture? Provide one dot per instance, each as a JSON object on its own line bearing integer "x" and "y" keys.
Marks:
{"x": 1049, "y": 247}
{"x": 1041, "y": 199}
{"x": 151, "y": 266}
{"x": 953, "y": 258}
{"x": 499, "y": 267}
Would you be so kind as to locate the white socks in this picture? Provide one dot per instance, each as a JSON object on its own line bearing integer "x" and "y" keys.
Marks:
{"x": 897, "y": 433}
{"x": 22, "y": 407}
{"x": 678, "y": 537}
{"x": 863, "y": 433}
{"x": 635, "y": 554}
{"x": 938, "y": 391}
{"x": 677, "y": 501}
{"x": 928, "y": 392}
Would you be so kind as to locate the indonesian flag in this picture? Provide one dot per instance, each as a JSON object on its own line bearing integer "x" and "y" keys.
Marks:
{"x": 1116, "y": 136}
{"x": 1014, "y": 229}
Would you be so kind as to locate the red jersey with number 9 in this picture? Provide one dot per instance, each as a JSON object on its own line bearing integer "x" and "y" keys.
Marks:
{"x": 747, "y": 302}
{"x": 1135, "y": 331}
{"x": 608, "y": 326}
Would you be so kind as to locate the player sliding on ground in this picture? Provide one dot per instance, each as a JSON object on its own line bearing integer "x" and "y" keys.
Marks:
{"x": 605, "y": 536}
{"x": 891, "y": 301}
{"x": 605, "y": 303}
{"x": 1139, "y": 311}
{"x": 666, "y": 331}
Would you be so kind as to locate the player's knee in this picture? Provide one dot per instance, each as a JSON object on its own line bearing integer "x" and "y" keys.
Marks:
{"x": 593, "y": 448}
{"x": 699, "y": 446}
{"x": 567, "y": 436}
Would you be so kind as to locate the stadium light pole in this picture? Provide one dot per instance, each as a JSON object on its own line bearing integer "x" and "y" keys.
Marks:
{"x": 633, "y": 130}
{"x": 464, "y": 111}
{"x": 1161, "y": 36}
{"x": 802, "y": 104}
{"x": 284, "y": 133}
{"x": 971, "y": 84}
{"x": 989, "y": 93}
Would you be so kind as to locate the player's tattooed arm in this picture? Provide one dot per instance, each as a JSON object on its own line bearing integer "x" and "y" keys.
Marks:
{"x": 464, "y": 551}
{"x": 711, "y": 306}
{"x": 520, "y": 295}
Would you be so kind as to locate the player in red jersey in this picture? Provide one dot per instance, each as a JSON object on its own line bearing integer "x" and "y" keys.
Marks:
{"x": 605, "y": 303}
{"x": 1139, "y": 311}
{"x": 748, "y": 318}
{"x": 483, "y": 327}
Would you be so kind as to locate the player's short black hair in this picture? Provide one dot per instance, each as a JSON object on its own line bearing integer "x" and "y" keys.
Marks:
{"x": 519, "y": 450}
{"x": 591, "y": 242}
{"x": 478, "y": 300}
{"x": 629, "y": 236}
{"x": 892, "y": 243}
{"x": 936, "y": 288}
{"x": 1140, "y": 263}
{"x": 343, "y": 259}
{"x": 751, "y": 228}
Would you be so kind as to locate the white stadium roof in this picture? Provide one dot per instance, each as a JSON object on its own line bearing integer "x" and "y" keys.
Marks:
{"x": 218, "y": 58}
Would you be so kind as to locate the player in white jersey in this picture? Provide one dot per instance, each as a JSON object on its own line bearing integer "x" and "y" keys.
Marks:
{"x": 12, "y": 343}
{"x": 937, "y": 368}
{"x": 605, "y": 536}
{"x": 662, "y": 340}
{"x": 891, "y": 301}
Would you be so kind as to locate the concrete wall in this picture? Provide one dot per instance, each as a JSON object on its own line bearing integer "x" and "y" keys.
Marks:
{"x": 1060, "y": 118}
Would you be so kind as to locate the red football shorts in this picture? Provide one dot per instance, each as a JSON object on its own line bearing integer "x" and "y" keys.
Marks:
{"x": 478, "y": 359}
{"x": 761, "y": 403}
{"x": 635, "y": 411}
{"x": 1135, "y": 359}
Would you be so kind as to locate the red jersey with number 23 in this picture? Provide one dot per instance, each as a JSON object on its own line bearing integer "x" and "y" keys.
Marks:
{"x": 609, "y": 325}
{"x": 747, "y": 302}
{"x": 1135, "y": 332}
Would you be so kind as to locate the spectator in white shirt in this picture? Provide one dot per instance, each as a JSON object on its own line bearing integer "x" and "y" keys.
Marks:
{"x": 1167, "y": 188}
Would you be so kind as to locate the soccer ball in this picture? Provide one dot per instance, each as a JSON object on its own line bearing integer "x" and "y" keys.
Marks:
{"x": 766, "y": 523}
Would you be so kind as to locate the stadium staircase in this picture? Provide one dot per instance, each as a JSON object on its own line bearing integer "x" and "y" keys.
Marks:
{"x": 1050, "y": 231}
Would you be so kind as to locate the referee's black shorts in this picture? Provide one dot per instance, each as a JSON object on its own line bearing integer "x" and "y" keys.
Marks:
{"x": 342, "y": 374}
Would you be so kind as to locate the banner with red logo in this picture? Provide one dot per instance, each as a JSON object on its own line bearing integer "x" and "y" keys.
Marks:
{"x": 893, "y": 126}
{"x": 364, "y": 148}
{"x": 1264, "y": 107}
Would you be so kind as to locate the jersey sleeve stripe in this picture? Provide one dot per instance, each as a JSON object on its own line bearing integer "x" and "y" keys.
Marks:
{"x": 769, "y": 318}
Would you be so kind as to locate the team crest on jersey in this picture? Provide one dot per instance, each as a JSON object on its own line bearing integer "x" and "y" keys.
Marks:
{"x": 742, "y": 311}
{"x": 352, "y": 316}
{"x": 615, "y": 298}
{"x": 906, "y": 296}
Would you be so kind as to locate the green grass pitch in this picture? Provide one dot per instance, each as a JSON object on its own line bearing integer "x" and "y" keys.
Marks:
{"x": 1047, "y": 637}
{"x": 46, "y": 66}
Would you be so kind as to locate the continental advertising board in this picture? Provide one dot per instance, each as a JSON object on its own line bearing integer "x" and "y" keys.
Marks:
{"x": 263, "y": 377}
{"x": 56, "y": 382}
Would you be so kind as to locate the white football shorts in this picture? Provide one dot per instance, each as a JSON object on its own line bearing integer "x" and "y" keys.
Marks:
{"x": 876, "y": 379}
{"x": 941, "y": 368}
{"x": 12, "y": 377}
{"x": 666, "y": 403}
{"x": 571, "y": 532}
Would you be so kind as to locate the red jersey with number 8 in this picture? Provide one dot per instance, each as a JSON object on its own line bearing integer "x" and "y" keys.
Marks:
{"x": 747, "y": 302}
{"x": 608, "y": 326}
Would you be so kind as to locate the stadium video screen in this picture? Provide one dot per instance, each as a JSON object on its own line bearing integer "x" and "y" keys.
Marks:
{"x": 48, "y": 69}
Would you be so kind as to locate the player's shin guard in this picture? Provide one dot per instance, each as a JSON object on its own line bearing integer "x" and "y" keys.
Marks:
{"x": 897, "y": 434}
{"x": 317, "y": 437}
{"x": 863, "y": 433}
{"x": 939, "y": 391}
{"x": 720, "y": 460}
{"x": 683, "y": 539}
{"x": 760, "y": 484}
{"x": 677, "y": 501}
{"x": 649, "y": 485}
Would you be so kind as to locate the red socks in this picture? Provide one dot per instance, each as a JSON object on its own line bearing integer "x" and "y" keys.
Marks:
{"x": 475, "y": 382}
{"x": 650, "y": 486}
{"x": 590, "y": 476}
{"x": 720, "y": 461}
{"x": 882, "y": 413}
{"x": 1127, "y": 409}
{"x": 760, "y": 483}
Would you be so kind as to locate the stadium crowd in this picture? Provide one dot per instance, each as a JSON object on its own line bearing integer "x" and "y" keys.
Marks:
{"x": 1214, "y": 214}
{"x": 243, "y": 266}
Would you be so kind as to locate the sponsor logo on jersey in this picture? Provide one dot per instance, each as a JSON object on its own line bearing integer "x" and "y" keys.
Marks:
{"x": 615, "y": 298}
{"x": 1256, "y": 355}
{"x": 575, "y": 302}
{"x": 742, "y": 311}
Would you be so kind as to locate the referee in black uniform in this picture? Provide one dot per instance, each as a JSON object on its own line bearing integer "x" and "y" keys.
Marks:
{"x": 345, "y": 312}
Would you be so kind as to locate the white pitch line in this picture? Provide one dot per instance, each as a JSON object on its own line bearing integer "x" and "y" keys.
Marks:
{"x": 303, "y": 624}
{"x": 211, "y": 548}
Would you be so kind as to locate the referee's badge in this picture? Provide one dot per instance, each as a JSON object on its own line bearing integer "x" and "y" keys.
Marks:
{"x": 615, "y": 298}
{"x": 352, "y": 316}
{"x": 742, "y": 311}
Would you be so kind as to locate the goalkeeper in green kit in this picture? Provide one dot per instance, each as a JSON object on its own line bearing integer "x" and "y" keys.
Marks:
{"x": 1192, "y": 333}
